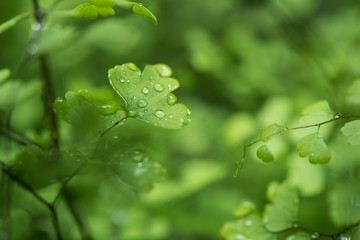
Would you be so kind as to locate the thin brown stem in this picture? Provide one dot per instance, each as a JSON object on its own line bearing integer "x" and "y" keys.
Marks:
{"x": 239, "y": 163}
{"x": 49, "y": 99}
{"x": 28, "y": 188}
{"x": 48, "y": 91}
{"x": 17, "y": 137}
{"x": 63, "y": 185}
{"x": 114, "y": 125}
{"x": 72, "y": 207}
{"x": 316, "y": 233}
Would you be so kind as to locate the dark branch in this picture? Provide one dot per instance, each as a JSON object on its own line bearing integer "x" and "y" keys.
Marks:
{"x": 25, "y": 186}
{"x": 76, "y": 216}
{"x": 107, "y": 130}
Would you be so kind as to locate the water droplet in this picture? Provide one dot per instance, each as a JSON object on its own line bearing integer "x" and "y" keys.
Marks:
{"x": 128, "y": 80}
{"x": 182, "y": 120}
{"x": 142, "y": 103}
{"x": 106, "y": 109}
{"x": 164, "y": 70}
{"x": 131, "y": 66}
{"x": 131, "y": 113}
{"x": 315, "y": 235}
{"x": 138, "y": 156}
{"x": 171, "y": 116}
{"x": 32, "y": 48}
{"x": 171, "y": 99}
{"x": 36, "y": 26}
{"x": 122, "y": 80}
{"x": 159, "y": 114}
{"x": 248, "y": 223}
{"x": 158, "y": 87}
{"x": 145, "y": 90}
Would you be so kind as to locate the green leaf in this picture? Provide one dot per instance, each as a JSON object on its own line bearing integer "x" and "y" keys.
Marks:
{"x": 270, "y": 131}
{"x": 12, "y": 22}
{"x": 265, "y": 154}
{"x": 352, "y": 130}
{"x": 142, "y": 11}
{"x": 148, "y": 94}
{"x": 246, "y": 228}
{"x": 300, "y": 236}
{"x": 314, "y": 147}
{"x": 4, "y": 74}
{"x": 353, "y": 94}
{"x": 344, "y": 201}
{"x": 79, "y": 110}
{"x": 244, "y": 208}
{"x": 40, "y": 168}
{"x": 316, "y": 113}
{"x": 93, "y": 8}
{"x": 130, "y": 161}
{"x": 282, "y": 212}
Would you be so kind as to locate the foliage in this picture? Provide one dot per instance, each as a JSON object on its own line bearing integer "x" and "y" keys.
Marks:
{"x": 94, "y": 144}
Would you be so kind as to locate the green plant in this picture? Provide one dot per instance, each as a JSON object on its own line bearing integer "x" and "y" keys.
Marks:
{"x": 87, "y": 139}
{"x": 84, "y": 159}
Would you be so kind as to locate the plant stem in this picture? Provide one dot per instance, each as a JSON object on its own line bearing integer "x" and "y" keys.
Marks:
{"x": 48, "y": 92}
{"x": 49, "y": 99}
{"x": 62, "y": 189}
{"x": 17, "y": 137}
{"x": 24, "y": 185}
{"x": 103, "y": 133}
{"x": 332, "y": 236}
{"x": 239, "y": 164}
{"x": 77, "y": 218}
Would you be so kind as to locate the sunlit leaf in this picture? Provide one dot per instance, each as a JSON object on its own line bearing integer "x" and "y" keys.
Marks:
{"x": 282, "y": 212}
{"x": 271, "y": 130}
{"x": 316, "y": 113}
{"x": 140, "y": 10}
{"x": 314, "y": 147}
{"x": 148, "y": 94}
{"x": 4, "y": 74}
{"x": 265, "y": 154}
{"x": 12, "y": 22}
{"x": 93, "y": 8}
{"x": 249, "y": 227}
{"x": 352, "y": 130}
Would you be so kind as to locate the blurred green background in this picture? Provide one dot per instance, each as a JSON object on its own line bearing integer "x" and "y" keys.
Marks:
{"x": 242, "y": 65}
